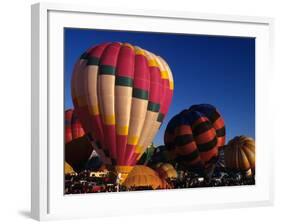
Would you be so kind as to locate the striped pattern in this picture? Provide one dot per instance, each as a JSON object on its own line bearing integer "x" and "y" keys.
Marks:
{"x": 73, "y": 127}
{"x": 239, "y": 154}
{"x": 121, "y": 94}
{"x": 195, "y": 136}
{"x": 159, "y": 101}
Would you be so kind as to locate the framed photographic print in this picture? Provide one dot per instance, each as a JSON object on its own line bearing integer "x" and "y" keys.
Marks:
{"x": 138, "y": 111}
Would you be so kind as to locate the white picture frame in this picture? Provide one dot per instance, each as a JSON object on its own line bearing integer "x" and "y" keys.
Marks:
{"x": 48, "y": 200}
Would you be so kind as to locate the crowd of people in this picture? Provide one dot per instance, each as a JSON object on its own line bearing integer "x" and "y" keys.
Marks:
{"x": 193, "y": 180}
{"x": 84, "y": 182}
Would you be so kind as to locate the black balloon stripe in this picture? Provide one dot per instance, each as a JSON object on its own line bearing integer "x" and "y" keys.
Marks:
{"x": 221, "y": 132}
{"x": 189, "y": 157}
{"x": 205, "y": 147}
{"x": 214, "y": 116}
{"x": 182, "y": 140}
{"x": 201, "y": 128}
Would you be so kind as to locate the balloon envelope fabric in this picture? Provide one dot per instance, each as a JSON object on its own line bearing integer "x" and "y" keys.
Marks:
{"x": 121, "y": 93}
{"x": 240, "y": 153}
{"x": 143, "y": 176}
{"x": 194, "y": 136}
{"x": 166, "y": 171}
{"x": 73, "y": 127}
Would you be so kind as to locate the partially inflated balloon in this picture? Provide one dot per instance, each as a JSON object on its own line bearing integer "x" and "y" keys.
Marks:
{"x": 239, "y": 154}
{"x": 68, "y": 169}
{"x": 121, "y": 94}
{"x": 73, "y": 127}
{"x": 143, "y": 176}
{"x": 194, "y": 136}
{"x": 166, "y": 171}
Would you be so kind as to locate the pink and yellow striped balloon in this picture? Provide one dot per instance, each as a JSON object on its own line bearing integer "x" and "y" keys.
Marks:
{"x": 73, "y": 127}
{"x": 121, "y": 94}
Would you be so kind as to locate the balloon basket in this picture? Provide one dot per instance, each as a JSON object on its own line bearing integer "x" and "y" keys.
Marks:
{"x": 124, "y": 171}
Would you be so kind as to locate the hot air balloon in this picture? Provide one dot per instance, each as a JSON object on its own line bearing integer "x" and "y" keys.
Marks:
{"x": 166, "y": 171}
{"x": 160, "y": 155}
{"x": 68, "y": 169}
{"x": 194, "y": 137}
{"x": 73, "y": 127}
{"x": 239, "y": 154}
{"x": 78, "y": 152}
{"x": 81, "y": 154}
{"x": 147, "y": 155}
{"x": 143, "y": 176}
{"x": 121, "y": 94}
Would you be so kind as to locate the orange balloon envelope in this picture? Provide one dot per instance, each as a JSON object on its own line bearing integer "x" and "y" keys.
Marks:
{"x": 121, "y": 94}
{"x": 195, "y": 136}
{"x": 239, "y": 154}
{"x": 166, "y": 171}
{"x": 68, "y": 169}
{"x": 143, "y": 176}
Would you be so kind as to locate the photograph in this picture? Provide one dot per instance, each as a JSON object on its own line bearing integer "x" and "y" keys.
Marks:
{"x": 157, "y": 111}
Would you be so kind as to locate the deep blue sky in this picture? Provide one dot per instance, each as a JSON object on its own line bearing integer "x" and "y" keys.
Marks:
{"x": 207, "y": 69}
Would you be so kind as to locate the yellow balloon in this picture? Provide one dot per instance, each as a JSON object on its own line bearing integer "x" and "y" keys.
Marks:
{"x": 143, "y": 176}
{"x": 68, "y": 169}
